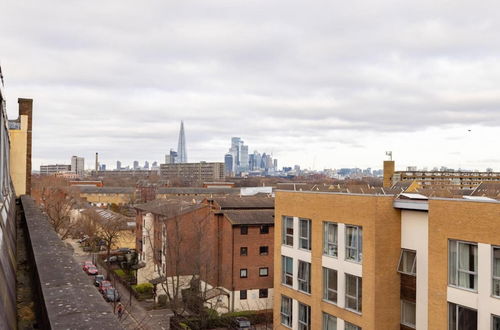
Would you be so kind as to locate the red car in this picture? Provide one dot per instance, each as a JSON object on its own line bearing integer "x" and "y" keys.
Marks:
{"x": 92, "y": 270}
{"x": 86, "y": 265}
{"x": 104, "y": 286}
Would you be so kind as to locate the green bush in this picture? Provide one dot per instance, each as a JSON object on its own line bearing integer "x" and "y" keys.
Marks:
{"x": 120, "y": 273}
{"x": 143, "y": 288}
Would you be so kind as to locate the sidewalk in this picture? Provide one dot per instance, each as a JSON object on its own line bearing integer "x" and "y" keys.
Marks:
{"x": 135, "y": 316}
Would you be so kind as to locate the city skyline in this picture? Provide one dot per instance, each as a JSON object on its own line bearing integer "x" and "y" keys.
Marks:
{"x": 309, "y": 85}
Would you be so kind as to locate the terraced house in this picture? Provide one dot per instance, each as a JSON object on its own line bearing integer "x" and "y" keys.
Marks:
{"x": 353, "y": 261}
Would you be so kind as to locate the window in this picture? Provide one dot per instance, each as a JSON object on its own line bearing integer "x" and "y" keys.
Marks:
{"x": 462, "y": 264}
{"x": 305, "y": 234}
{"x": 495, "y": 320}
{"x": 243, "y": 251}
{"x": 353, "y": 292}
{"x": 354, "y": 243}
{"x": 496, "y": 272}
{"x": 264, "y": 271}
{"x": 287, "y": 270}
{"x": 264, "y": 229}
{"x": 243, "y": 273}
{"x": 330, "y": 236}
{"x": 408, "y": 314}
{"x": 329, "y": 322}
{"x": 286, "y": 311}
{"x": 263, "y": 293}
{"x": 243, "y": 294}
{"x": 287, "y": 237}
{"x": 408, "y": 262}
{"x": 244, "y": 230}
{"x": 264, "y": 250}
{"x": 461, "y": 318}
{"x": 350, "y": 326}
{"x": 304, "y": 276}
{"x": 330, "y": 285}
{"x": 304, "y": 317}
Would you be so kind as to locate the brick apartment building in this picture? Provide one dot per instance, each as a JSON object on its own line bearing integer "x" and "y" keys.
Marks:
{"x": 351, "y": 261}
{"x": 228, "y": 241}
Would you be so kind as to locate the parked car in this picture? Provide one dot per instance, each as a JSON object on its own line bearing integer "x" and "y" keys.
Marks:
{"x": 241, "y": 323}
{"x": 111, "y": 294}
{"x": 98, "y": 279}
{"x": 104, "y": 285}
{"x": 111, "y": 259}
{"x": 92, "y": 270}
{"x": 86, "y": 265}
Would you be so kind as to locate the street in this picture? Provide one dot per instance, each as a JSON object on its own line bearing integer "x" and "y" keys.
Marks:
{"x": 135, "y": 315}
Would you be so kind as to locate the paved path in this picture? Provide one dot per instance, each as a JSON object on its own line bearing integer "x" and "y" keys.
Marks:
{"x": 135, "y": 316}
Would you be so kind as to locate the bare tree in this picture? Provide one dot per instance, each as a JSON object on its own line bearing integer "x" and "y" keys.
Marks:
{"x": 110, "y": 230}
{"x": 182, "y": 261}
{"x": 58, "y": 204}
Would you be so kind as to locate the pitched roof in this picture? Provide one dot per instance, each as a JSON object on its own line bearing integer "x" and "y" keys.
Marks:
{"x": 170, "y": 207}
{"x": 250, "y": 217}
{"x": 244, "y": 202}
{"x": 198, "y": 191}
{"x": 105, "y": 190}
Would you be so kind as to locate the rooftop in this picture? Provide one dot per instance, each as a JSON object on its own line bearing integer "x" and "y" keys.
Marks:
{"x": 250, "y": 217}
{"x": 250, "y": 202}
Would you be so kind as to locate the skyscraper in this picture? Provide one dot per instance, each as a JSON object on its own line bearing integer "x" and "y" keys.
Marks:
{"x": 228, "y": 164}
{"x": 181, "y": 147}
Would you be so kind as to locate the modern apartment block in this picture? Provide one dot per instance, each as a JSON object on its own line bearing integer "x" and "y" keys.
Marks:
{"x": 457, "y": 179}
{"x": 193, "y": 172}
{"x": 352, "y": 261}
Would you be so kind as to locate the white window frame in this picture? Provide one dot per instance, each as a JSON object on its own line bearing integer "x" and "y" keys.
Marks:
{"x": 413, "y": 270}
{"x": 326, "y": 283}
{"x": 350, "y": 326}
{"x": 305, "y": 324}
{"x": 304, "y": 281}
{"x": 495, "y": 279}
{"x": 405, "y": 322}
{"x": 458, "y": 271}
{"x": 245, "y": 270}
{"x": 326, "y": 318}
{"x": 358, "y": 248}
{"x": 284, "y": 234}
{"x": 457, "y": 306}
{"x": 493, "y": 317}
{"x": 358, "y": 296}
{"x": 284, "y": 274}
{"x": 330, "y": 249}
{"x": 286, "y": 314}
{"x": 307, "y": 238}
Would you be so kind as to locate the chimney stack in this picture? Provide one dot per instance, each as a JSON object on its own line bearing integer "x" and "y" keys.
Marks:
{"x": 96, "y": 161}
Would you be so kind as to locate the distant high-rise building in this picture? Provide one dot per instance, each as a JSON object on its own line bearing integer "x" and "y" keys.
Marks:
{"x": 146, "y": 165}
{"x": 172, "y": 157}
{"x": 118, "y": 165}
{"x": 102, "y": 167}
{"x": 275, "y": 164}
{"x": 136, "y": 165}
{"x": 181, "y": 147}
{"x": 228, "y": 163}
{"x": 243, "y": 158}
{"x": 77, "y": 165}
{"x": 155, "y": 164}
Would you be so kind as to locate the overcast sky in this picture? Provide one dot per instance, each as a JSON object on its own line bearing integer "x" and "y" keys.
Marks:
{"x": 323, "y": 84}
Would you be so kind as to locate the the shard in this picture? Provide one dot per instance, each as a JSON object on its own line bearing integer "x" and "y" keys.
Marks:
{"x": 181, "y": 147}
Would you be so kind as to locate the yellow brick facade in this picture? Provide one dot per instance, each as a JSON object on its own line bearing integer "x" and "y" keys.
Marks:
{"x": 381, "y": 251}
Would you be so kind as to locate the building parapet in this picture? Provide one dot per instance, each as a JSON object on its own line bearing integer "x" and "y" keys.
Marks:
{"x": 64, "y": 296}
